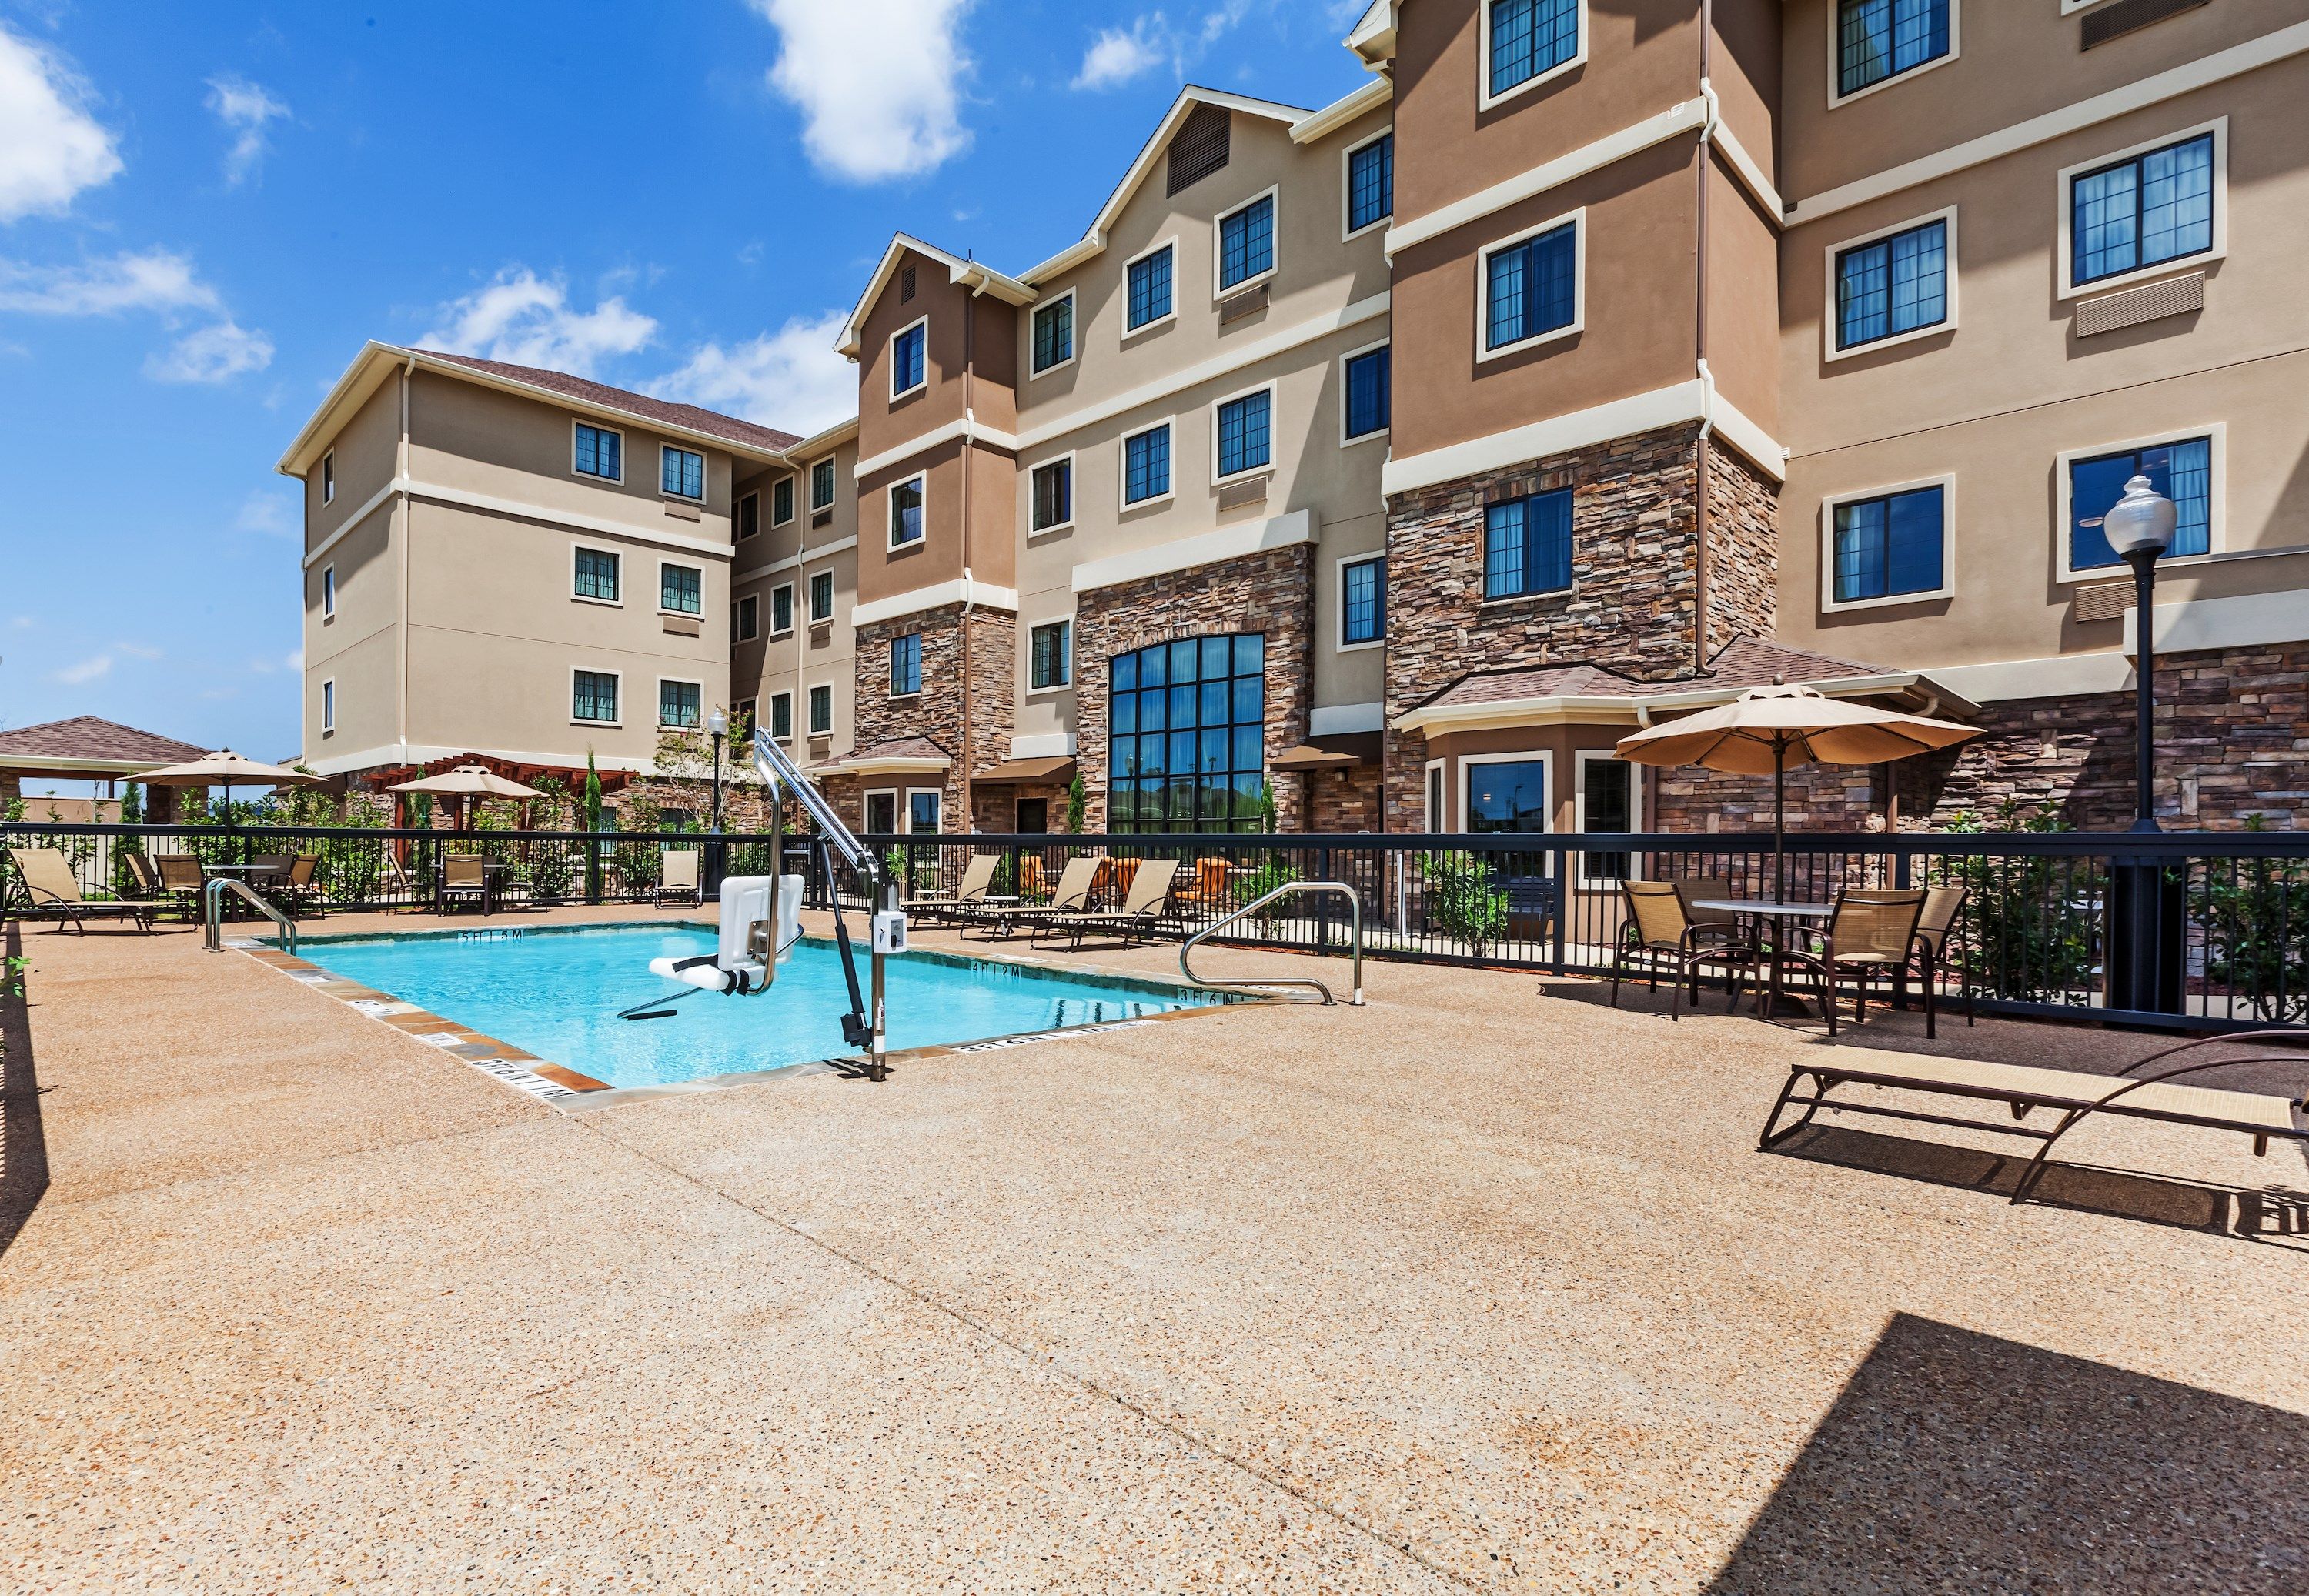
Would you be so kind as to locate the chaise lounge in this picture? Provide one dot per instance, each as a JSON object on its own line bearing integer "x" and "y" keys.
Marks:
{"x": 52, "y": 894}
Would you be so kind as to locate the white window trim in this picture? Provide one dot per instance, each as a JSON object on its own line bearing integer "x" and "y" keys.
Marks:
{"x": 1339, "y": 602}
{"x": 2066, "y": 263}
{"x": 618, "y": 555}
{"x": 833, "y": 593}
{"x": 1168, "y": 316}
{"x": 912, "y": 793}
{"x": 1428, "y": 787}
{"x": 1578, "y": 324}
{"x": 787, "y": 588}
{"x": 1836, "y": 56}
{"x": 1545, "y": 757}
{"x": 665, "y": 565}
{"x": 1829, "y": 602}
{"x": 810, "y": 699}
{"x": 793, "y": 501}
{"x": 329, "y": 476}
{"x": 738, "y": 516}
{"x": 664, "y": 492}
{"x": 2069, "y": 6}
{"x": 1581, "y": 758}
{"x": 703, "y": 708}
{"x": 618, "y": 677}
{"x": 1266, "y": 466}
{"x": 1829, "y": 320}
{"x": 1366, "y": 437}
{"x": 2217, "y": 511}
{"x": 1074, "y": 493}
{"x": 1073, "y": 343}
{"x": 329, "y": 706}
{"x": 890, "y": 658}
{"x": 890, "y": 513}
{"x": 1122, "y": 475}
{"x": 1484, "y": 99}
{"x": 575, "y": 423}
{"x": 891, "y": 359}
{"x": 833, "y": 475}
{"x": 1347, "y": 231}
{"x": 1218, "y": 223}
{"x": 737, "y": 633}
{"x": 329, "y": 592}
{"x": 866, "y": 808}
{"x": 1027, "y": 674}
{"x": 776, "y": 699}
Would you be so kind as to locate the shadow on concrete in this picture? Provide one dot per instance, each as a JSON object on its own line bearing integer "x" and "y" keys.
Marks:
{"x": 23, "y": 1148}
{"x": 1958, "y": 1462}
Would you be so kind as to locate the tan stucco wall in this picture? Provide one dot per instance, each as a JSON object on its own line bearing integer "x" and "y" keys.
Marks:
{"x": 366, "y": 451}
{"x": 811, "y": 653}
{"x": 361, "y": 646}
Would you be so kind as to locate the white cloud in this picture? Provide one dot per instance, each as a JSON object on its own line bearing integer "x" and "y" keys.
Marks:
{"x": 86, "y": 670}
{"x": 1116, "y": 56}
{"x": 50, "y": 147}
{"x": 154, "y": 280}
{"x": 295, "y": 660}
{"x": 877, "y": 81}
{"x": 244, "y": 107}
{"x": 212, "y": 354}
{"x": 790, "y": 378}
{"x": 137, "y": 650}
{"x": 523, "y": 319}
{"x": 270, "y": 512}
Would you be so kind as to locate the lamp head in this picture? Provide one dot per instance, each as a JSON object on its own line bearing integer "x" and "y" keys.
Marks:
{"x": 717, "y": 722}
{"x": 2140, "y": 525}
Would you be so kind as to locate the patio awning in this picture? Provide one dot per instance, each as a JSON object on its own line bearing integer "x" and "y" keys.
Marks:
{"x": 1021, "y": 772}
{"x": 1344, "y": 751}
{"x": 908, "y": 756}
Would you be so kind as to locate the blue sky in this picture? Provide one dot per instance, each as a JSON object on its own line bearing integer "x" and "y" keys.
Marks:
{"x": 205, "y": 208}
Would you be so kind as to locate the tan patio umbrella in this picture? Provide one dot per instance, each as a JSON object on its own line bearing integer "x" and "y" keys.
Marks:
{"x": 466, "y": 783}
{"x": 229, "y": 770}
{"x": 1769, "y": 728}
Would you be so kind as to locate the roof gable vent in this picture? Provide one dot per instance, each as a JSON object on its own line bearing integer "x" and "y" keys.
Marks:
{"x": 1199, "y": 147}
{"x": 905, "y": 284}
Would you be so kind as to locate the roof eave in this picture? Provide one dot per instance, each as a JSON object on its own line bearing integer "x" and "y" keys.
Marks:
{"x": 1343, "y": 110}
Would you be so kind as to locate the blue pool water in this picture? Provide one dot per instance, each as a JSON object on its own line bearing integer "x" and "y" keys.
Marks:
{"x": 557, "y": 993}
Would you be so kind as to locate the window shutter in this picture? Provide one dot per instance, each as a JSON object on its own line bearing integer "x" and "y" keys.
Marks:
{"x": 1200, "y": 148}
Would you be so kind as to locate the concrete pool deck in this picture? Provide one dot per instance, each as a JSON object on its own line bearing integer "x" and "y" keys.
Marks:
{"x": 1467, "y": 1289}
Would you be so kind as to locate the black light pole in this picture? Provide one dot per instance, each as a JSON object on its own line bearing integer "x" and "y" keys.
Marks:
{"x": 718, "y": 725}
{"x": 2144, "y": 971}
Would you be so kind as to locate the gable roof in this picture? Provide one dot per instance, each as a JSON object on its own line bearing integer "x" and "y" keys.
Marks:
{"x": 975, "y": 275}
{"x": 87, "y": 742}
{"x": 641, "y": 406}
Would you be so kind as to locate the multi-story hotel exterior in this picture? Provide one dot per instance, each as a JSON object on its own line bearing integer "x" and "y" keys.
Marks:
{"x": 1587, "y": 364}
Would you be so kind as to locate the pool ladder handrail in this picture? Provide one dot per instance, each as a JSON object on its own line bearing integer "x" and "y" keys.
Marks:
{"x": 1355, "y": 913}
{"x": 212, "y": 912}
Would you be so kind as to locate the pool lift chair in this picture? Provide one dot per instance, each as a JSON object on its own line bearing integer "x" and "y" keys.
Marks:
{"x": 761, "y": 917}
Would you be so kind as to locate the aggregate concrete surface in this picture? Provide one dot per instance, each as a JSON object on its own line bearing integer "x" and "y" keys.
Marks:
{"x": 1471, "y": 1288}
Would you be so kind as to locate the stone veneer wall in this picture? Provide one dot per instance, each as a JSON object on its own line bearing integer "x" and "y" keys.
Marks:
{"x": 1340, "y": 801}
{"x": 936, "y": 712}
{"x": 1743, "y": 550}
{"x": 1272, "y": 594}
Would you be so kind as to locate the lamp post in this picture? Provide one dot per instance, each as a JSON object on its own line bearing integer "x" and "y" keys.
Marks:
{"x": 718, "y": 725}
{"x": 2145, "y": 973}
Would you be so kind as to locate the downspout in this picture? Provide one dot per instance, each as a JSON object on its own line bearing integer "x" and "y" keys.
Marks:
{"x": 407, "y": 531}
{"x": 969, "y": 586}
{"x": 1700, "y": 595}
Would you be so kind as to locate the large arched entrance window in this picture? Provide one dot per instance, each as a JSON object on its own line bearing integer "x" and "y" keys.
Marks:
{"x": 1187, "y": 724}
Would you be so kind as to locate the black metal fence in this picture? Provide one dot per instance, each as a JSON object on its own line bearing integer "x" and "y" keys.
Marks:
{"x": 2036, "y": 935}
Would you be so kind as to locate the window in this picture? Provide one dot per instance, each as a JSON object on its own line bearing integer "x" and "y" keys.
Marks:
{"x": 908, "y": 368}
{"x": 1363, "y": 601}
{"x": 1889, "y": 287}
{"x": 1146, "y": 465}
{"x": 1369, "y": 396}
{"x": 680, "y": 589}
{"x": 821, "y": 484}
{"x": 821, "y": 596}
{"x": 1053, "y": 497}
{"x": 749, "y": 515}
{"x": 782, "y": 609}
{"x": 1506, "y": 794}
{"x": 328, "y": 707}
{"x": 328, "y": 477}
{"x": 1607, "y": 803}
{"x": 680, "y": 472}
{"x": 1890, "y": 545}
{"x": 821, "y": 710}
{"x": 742, "y": 719}
{"x": 2182, "y": 470}
{"x": 1148, "y": 296}
{"x": 1525, "y": 40}
{"x": 1877, "y": 39}
{"x": 2146, "y": 210}
{"x": 1245, "y": 432}
{"x": 1054, "y": 333}
{"x": 1530, "y": 287}
{"x": 1051, "y": 664}
{"x": 1246, "y": 244}
{"x": 677, "y": 705}
{"x": 782, "y": 496}
{"x": 601, "y": 453}
{"x": 782, "y": 717}
{"x": 597, "y": 576}
{"x": 905, "y": 665}
{"x": 745, "y": 619}
{"x": 907, "y": 511}
{"x": 881, "y": 813}
{"x": 923, "y": 811}
{"x": 594, "y": 696}
{"x": 1371, "y": 184}
{"x": 1187, "y": 749}
{"x": 1528, "y": 546}
{"x": 328, "y": 593}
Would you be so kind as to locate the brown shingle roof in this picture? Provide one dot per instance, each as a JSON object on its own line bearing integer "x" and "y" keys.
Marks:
{"x": 639, "y": 405}
{"x": 1742, "y": 664}
{"x": 86, "y": 737}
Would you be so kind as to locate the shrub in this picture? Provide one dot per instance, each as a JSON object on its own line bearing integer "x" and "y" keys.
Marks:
{"x": 2034, "y": 922}
{"x": 1465, "y": 901}
{"x": 2255, "y": 915}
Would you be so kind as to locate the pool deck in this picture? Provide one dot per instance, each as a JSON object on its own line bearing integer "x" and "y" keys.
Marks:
{"x": 1472, "y": 1288}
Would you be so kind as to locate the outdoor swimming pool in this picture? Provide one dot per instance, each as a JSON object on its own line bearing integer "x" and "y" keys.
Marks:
{"x": 557, "y": 994}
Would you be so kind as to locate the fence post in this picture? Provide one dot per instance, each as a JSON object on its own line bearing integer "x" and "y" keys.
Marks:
{"x": 592, "y": 868}
{"x": 1560, "y": 858}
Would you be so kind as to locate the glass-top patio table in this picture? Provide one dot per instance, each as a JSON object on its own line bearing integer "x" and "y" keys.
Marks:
{"x": 1773, "y": 912}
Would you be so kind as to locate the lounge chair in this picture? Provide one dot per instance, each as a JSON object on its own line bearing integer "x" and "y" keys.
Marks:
{"x": 464, "y": 876}
{"x": 397, "y": 882}
{"x": 1659, "y": 936}
{"x": 1872, "y": 932}
{"x": 1076, "y": 883}
{"x": 2076, "y": 1095}
{"x": 52, "y": 894}
{"x": 141, "y": 872}
{"x": 677, "y": 879}
{"x": 181, "y": 878}
{"x": 977, "y": 880}
{"x": 1140, "y": 916}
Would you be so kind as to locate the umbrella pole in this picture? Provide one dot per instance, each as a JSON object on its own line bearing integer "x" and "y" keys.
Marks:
{"x": 1780, "y": 819}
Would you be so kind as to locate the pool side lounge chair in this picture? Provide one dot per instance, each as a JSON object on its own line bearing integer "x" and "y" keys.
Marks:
{"x": 678, "y": 877}
{"x": 1140, "y": 916}
{"x": 1076, "y": 883}
{"x": 2146, "y": 1090}
{"x": 52, "y": 894}
{"x": 977, "y": 880}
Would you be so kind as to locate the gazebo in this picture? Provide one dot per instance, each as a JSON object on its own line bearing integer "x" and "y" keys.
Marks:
{"x": 85, "y": 749}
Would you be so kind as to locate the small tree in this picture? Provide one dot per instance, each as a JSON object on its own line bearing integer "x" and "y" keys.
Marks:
{"x": 593, "y": 794}
{"x": 1077, "y": 803}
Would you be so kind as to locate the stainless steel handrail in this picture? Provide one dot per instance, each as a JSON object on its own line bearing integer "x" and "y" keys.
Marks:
{"x": 1354, "y": 910}
{"x": 212, "y": 911}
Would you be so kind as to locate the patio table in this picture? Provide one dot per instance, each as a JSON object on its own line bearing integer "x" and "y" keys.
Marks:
{"x": 1772, "y": 912}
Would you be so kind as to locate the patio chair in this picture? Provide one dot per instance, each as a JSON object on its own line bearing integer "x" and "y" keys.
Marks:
{"x": 1139, "y": 918}
{"x": 51, "y": 893}
{"x": 397, "y": 881}
{"x": 678, "y": 879}
{"x": 1076, "y": 883}
{"x": 1936, "y": 940}
{"x": 141, "y": 872}
{"x": 1872, "y": 932}
{"x": 181, "y": 878}
{"x": 298, "y": 891}
{"x": 1691, "y": 891}
{"x": 977, "y": 880}
{"x": 1207, "y": 892}
{"x": 1658, "y": 936}
{"x": 463, "y": 876}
